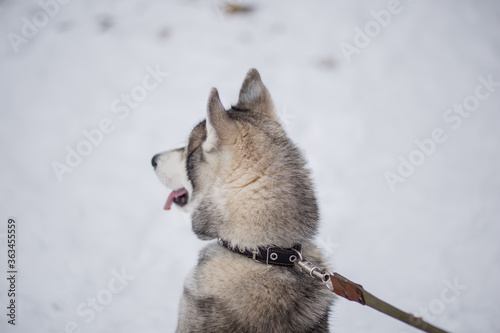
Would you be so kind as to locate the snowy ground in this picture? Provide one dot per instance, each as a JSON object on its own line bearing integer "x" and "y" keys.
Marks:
{"x": 430, "y": 244}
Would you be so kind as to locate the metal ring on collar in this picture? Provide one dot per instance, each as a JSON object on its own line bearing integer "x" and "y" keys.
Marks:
{"x": 299, "y": 253}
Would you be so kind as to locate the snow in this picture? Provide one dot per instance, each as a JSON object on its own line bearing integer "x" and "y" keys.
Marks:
{"x": 353, "y": 118}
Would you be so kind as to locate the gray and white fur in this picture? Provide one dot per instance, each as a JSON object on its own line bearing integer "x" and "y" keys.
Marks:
{"x": 248, "y": 184}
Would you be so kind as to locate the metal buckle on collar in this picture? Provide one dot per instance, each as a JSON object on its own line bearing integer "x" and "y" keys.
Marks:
{"x": 254, "y": 255}
{"x": 256, "y": 252}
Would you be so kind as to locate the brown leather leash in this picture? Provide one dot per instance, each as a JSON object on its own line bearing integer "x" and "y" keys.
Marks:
{"x": 356, "y": 293}
{"x": 351, "y": 291}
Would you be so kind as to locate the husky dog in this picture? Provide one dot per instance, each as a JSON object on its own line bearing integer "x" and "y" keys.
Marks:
{"x": 246, "y": 184}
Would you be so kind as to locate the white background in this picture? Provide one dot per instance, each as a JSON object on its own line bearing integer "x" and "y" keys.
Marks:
{"x": 353, "y": 119}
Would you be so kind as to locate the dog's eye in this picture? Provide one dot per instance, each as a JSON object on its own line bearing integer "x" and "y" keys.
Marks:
{"x": 235, "y": 108}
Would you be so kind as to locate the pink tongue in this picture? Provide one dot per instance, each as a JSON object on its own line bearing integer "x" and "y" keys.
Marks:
{"x": 172, "y": 196}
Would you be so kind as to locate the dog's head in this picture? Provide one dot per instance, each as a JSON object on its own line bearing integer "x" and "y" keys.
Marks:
{"x": 241, "y": 176}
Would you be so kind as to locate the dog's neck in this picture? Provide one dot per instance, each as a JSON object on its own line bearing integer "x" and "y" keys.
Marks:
{"x": 259, "y": 201}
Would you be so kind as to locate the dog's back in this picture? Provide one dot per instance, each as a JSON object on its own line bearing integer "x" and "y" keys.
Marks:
{"x": 228, "y": 292}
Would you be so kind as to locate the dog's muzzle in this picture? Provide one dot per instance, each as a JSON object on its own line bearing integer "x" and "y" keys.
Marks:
{"x": 170, "y": 168}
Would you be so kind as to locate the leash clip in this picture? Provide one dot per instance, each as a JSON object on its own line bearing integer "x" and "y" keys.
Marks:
{"x": 313, "y": 270}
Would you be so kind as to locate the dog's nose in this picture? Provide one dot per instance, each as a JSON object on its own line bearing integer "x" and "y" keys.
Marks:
{"x": 153, "y": 161}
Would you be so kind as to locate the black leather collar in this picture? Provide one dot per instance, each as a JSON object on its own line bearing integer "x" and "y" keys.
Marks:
{"x": 268, "y": 255}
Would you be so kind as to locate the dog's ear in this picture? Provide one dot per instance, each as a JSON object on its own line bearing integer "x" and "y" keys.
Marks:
{"x": 218, "y": 124}
{"x": 254, "y": 95}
